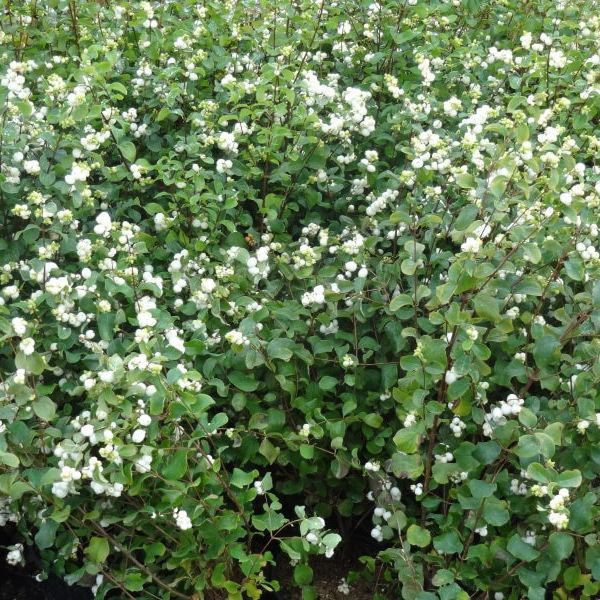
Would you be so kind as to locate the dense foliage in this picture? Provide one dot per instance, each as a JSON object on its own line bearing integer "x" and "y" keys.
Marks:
{"x": 268, "y": 269}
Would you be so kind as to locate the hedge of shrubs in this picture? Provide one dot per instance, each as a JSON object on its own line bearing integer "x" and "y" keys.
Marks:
{"x": 273, "y": 272}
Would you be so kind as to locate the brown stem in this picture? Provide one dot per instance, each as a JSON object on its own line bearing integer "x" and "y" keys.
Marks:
{"x": 117, "y": 583}
{"x": 138, "y": 564}
{"x": 305, "y": 55}
{"x": 75, "y": 26}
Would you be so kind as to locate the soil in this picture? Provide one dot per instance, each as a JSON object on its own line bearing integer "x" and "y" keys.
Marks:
{"x": 18, "y": 583}
{"x": 327, "y": 576}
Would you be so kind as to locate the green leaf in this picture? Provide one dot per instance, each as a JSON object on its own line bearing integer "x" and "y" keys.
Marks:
{"x": 119, "y": 88}
{"x": 538, "y": 472}
{"x": 373, "y": 420}
{"x": 581, "y": 515}
{"x": 60, "y": 515}
{"x": 546, "y": 443}
{"x": 458, "y": 388}
{"x": 106, "y": 325}
{"x": 397, "y": 520}
{"x": 536, "y": 593}
{"x": 408, "y": 266}
{"x": 154, "y": 550}
{"x": 25, "y": 108}
{"x": 268, "y": 521}
{"x": 291, "y": 552}
{"x": 527, "y": 418}
{"x": 555, "y": 430}
{"x": 405, "y": 36}
{"x": 498, "y": 186}
{"x": 280, "y": 348}
{"x": 575, "y": 269}
{"x": 152, "y": 208}
{"x": 571, "y": 478}
{"x": 465, "y": 181}
{"x": 527, "y": 446}
{"x": 128, "y": 151}
{"x": 303, "y": 575}
{"x": 243, "y": 381}
{"x": 407, "y": 465}
{"x": 31, "y": 233}
{"x": 327, "y": 383}
{"x": 573, "y": 578}
{"x": 487, "y": 452}
{"x": 560, "y": 545}
{"x": 98, "y": 550}
{"x": 349, "y": 406}
{"x": 177, "y": 466}
{"x": 442, "y": 578}
{"x": 596, "y": 295}
{"x": 521, "y": 550}
{"x": 445, "y": 292}
{"x": 466, "y": 216}
{"x": 442, "y": 471}
{"x": 448, "y": 543}
{"x": 163, "y": 113}
{"x": 531, "y": 445}
{"x": 307, "y": 451}
{"x": 400, "y": 301}
{"x": 417, "y": 536}
{"x": 46, "y": 534}
{"x": 9, "y": 459}
{"x": 269, "y": 451}
{"x": 592, "y": 561}
{"x": 545, "y": 350}
{"x": 407, "y": 440}
{"x": 487, "y": 307}
{"x": 434, "y": 351}
{"x": 481, "y": 489}
{"x": 34, "y": 363}
{"x": 197, "y": 403}
{"x": 134, "y": 582}
{"x": 515, "y": 102}
{"x": 241, "y": 479}
{"x": 494, "y": 512}
{"x": 44, "y": 408}
{"x": 528, "y": 286}
{"x": 532, "y": 253}
{"x": 522, "y": 133}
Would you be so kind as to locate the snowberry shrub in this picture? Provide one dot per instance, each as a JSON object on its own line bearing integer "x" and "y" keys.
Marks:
{"x": 270, "y": 270}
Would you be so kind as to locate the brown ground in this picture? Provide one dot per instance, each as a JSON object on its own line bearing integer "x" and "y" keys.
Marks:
{"x": 15, "y": 585}
{"x": 18, "y": 583}
{"x": 328, "y": 573}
